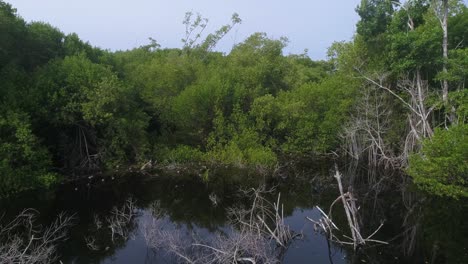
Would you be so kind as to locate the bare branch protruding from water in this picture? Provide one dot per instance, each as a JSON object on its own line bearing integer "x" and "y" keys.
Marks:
{"x": 24, "y": 241}
{"x": 326, "y": 224}
{"x": 258, "y": 235}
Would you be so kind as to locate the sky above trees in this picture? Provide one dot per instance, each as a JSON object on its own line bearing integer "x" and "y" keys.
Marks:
{"x": 115, "y": 25}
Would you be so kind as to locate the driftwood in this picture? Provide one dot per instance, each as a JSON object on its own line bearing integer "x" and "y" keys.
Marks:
{"x": 327, "y": 225}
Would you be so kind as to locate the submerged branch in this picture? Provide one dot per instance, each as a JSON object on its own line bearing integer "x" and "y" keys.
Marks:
{"x": 327, "y": 225}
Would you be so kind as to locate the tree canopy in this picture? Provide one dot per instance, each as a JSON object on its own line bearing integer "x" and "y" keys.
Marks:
{"x": 70, "y": 108}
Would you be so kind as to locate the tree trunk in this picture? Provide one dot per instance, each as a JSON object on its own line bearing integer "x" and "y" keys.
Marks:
{"x": 445, "y": 86}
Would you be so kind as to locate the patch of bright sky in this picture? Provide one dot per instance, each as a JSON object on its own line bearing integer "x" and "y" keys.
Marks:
{"x": 121, "y": 25}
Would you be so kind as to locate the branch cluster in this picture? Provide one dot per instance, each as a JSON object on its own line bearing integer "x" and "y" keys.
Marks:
{"x": 260, "y": 236}
{"x": 24, "y": 241}
{"x": 326, "y": 224}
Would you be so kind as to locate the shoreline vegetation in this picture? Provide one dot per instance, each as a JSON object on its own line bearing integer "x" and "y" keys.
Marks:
{"x": 68, "y": 107}
{"x": 393, "y": 97}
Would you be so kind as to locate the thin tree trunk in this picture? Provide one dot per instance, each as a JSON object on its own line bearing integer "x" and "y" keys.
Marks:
{"x": 445, "y": 86}
{"x": 445, "y": 48}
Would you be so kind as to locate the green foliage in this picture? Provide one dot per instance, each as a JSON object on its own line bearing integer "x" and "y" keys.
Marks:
{"x": 12, "y": 35}
{"x": 94, "y": 109}
{"x": 346, "y": 56}
{"x": 234, "y": 142}
{"x": 396, "y": 42}
{"x": 459, "y": 28}
{"x": 182, "y": 154}
{"x": 261, "y": 156}
{"x": 24, "y": 162}
{"x": 420, "y": 48}
{"x": 459, "y": 100}
{"x": 73, "y": 45}
{"x": 232, "y": 154}
{"x": 457, "y": 67}
{"x": 65, "y": 83}
{"x": 442, "y": 166}
{"x": 89, "y": 98}
{"x": 111, "y": 108}
{"x": 375, "y": 15}
{"x": 43, "y": 44}
{"x": 309, "y": 118}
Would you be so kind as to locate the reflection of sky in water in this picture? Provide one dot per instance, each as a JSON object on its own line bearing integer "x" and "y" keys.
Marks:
{"x": 312, "y": 247}
{"x": 185, "y": 204}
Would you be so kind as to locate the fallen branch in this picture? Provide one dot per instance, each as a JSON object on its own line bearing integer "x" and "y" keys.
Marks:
{"x": 327, "y": 225}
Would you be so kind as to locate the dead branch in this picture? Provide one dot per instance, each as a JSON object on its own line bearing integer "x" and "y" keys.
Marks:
{"x": 367, "y": 131}
{"x": 91, "y": 243}
{"x": 260, "y": 235}
{"x": 121, "y": 218}
{"x": 326, "y": 224}
{"x": 120, "y": 223}
{"x": 26, "y": 242}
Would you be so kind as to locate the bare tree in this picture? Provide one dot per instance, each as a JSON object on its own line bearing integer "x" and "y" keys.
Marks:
{"x": 441, "y": 9}
{"x": 365, "y": 134}
{"x": 412, "y": 91}
{"x": 367, "y": 130}
{"x": 444, "y": 25}
{"x": 24, "y": 241}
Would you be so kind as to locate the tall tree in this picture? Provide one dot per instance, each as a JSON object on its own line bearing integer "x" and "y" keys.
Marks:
{"x": 375, "y": 15}
{"x": 441, "y": 8}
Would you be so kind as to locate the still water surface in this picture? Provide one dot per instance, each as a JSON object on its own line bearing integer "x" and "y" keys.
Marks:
{"x": 184, "y": 199}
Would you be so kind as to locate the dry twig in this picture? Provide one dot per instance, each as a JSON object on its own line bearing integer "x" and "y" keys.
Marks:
{"x": 325, "y": 223}
{"x": 26, "y": 242}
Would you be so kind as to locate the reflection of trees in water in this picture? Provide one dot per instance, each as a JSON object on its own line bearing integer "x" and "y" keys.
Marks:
{"x": 23, "y": 240}
{"x": 326, "y": 224}
{"x": 257, "y": 234}
{"x": 120, "y": 223}
{"x": 417, "y": 230}
{"x": 436, "y": 230}
{"x": 103, "y": 234}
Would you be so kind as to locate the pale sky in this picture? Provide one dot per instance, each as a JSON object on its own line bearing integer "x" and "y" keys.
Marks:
{"x": 120, "y": 25}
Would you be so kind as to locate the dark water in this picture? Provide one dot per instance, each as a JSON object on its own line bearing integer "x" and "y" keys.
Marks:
{"x": 433, "y": 231}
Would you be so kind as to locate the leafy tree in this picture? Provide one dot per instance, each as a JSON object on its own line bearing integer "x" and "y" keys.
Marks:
{"x": 417, "y": 48}
{"x": 43, "y": 44}
{"x": 375, "y": 15}
{"x": 12, "y": 35}
{"x": 93, "y": 113}
{"x": 442, "y": 168}
{"x": 73, "y": 45}
{"x": 24, "y": 163}
{"x": 83, "y": 108}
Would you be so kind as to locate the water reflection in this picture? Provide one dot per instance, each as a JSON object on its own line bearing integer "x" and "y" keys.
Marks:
{"x": 186, "y": 205}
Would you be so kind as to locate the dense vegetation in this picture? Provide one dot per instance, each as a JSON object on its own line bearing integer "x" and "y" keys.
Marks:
{"x": 67, "y": 107}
